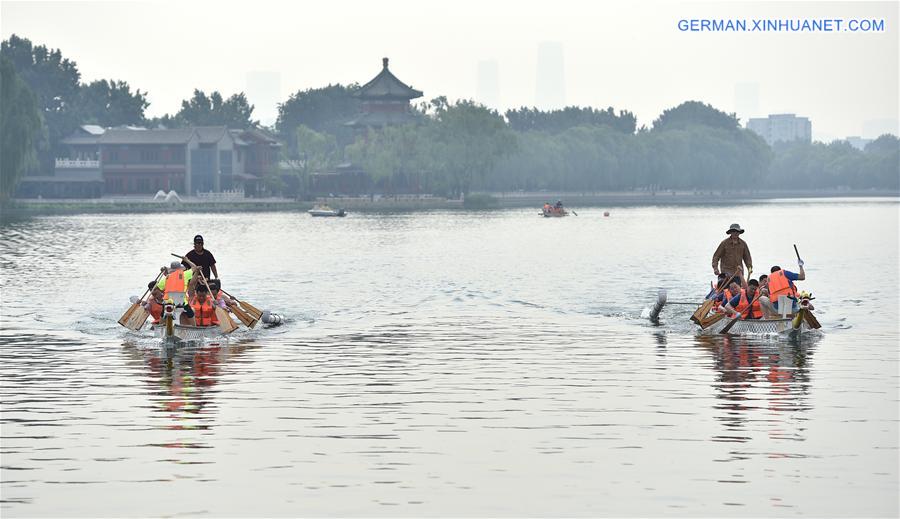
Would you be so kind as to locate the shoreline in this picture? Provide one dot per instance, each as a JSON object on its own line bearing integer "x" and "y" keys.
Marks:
{"x": 19, "y": 208}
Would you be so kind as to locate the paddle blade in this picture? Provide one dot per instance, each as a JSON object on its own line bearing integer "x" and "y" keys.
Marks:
{"x": 729, "y": 325}
{"x": 124, "y": 319}
{"x": 812, "y": 321}
{"x": 701, "y": 312}
{"x": 704, "y": 324}
{"x": 250, "y": 309}
{"x": 244, "y": 317}
{"x": 137, "y": 319}
{"x": 226, "y": 323}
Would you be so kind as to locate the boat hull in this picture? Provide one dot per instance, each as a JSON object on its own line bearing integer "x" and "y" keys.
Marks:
{"x": 781, "y": 326}
{"x": 326, "y": 214}
{"x": 186, "y": 332}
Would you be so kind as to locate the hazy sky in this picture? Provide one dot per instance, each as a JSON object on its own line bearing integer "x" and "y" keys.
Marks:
{"x": 625, "y": 54}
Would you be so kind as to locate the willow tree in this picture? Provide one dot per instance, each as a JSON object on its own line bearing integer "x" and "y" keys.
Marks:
{"x": 21, "y": 128}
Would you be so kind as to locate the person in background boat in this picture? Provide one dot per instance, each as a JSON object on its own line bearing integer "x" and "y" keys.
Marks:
{"x": 745, "y": 302}
{"x": 732, "y": 253}
{"x": 177, "y": 281}
{"x": 202, "y": 258}
{"x": 154, "y": 303}
{"x": 204, "y": 307}
{"x": 547, "y": 207}
{"x": 781, "y": 283}
{"x": 559, "y": 206}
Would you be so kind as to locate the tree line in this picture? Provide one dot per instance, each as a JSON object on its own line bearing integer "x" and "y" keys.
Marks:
{"x": 446, "y": 148}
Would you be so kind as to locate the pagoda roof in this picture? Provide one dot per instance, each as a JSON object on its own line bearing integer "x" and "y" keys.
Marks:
{"x": 386, "y": 86}
{"x": 379, "y": 119}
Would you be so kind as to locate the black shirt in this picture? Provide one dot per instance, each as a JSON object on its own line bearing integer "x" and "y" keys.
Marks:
{"x": 204, "y": 261}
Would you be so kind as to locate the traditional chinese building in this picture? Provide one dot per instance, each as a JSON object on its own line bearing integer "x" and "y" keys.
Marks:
{"x": 384, "y": 101}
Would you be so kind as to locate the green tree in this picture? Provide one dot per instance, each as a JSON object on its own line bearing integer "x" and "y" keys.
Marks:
{"x": 469, "y": 141}
{"x": 21, "y": 128}
{"x": 213, "y": 110}
{"x": 324, "y": 110}
{"x": 532, "y": 119}
{"x": 54, "y": 80}
{"x": 111, "y": 103}
{"x": 695, "y": 112}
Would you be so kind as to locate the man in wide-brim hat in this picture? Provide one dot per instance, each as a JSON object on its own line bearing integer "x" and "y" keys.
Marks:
{"x": 732, "y": 254}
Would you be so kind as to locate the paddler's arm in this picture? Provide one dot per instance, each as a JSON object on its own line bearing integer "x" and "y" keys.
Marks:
{"x": 716, "y": 257}
{"x": 215, "y": 271}
{"x": 747, "y": 259}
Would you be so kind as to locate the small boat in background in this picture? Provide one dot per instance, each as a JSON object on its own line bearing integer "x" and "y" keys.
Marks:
{"x": 325, "y": 211}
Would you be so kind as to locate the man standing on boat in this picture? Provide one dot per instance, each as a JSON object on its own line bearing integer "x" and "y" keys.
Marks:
{"x": 202, "y": 258}
{"x": 732, "y": 254}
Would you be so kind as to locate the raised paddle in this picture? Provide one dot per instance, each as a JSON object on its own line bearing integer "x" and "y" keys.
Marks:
{"x": 136, "y": 315}
{"x": 226, "y": 323}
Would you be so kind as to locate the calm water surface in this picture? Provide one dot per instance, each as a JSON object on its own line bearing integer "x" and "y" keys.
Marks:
{"x": 451, "y": 364}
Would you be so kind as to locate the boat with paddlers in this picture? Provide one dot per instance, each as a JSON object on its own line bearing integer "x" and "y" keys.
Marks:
{"x": 206, "y": 314}
{"x": 326, "y": 211}
{"x": 555, "y": 211}
{"x": 768, "y": 306}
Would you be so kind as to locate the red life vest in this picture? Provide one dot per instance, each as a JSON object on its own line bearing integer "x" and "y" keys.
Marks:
{"x": 780, "y": 285}
{"x": 205, "y": 312}
{"x": 174, "y": 283}
{"x": 755, "y": 310}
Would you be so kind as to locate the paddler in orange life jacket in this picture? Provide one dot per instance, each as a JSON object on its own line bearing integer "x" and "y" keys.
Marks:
{"x": 728, "y": 293}
{"x": 204, "y": 307}
{"x": 154, "y": 303}
{"x": 741, "y": 303}
{"x": 781, "y": 283}
{"x": 177, "y": 283}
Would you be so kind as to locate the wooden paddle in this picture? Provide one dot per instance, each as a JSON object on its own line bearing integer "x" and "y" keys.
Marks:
{"x": 226, "y": 323}
{"x": 136, "y": 315}
{"x": 256, "y": 313}
{"x": 701, "y": 312}
{"x": 248, "y": 320}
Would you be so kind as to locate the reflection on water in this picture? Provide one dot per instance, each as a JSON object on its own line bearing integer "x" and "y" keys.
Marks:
{"x": 757, "y": 375}
{"x": 181, "y": 380}
{"x": 447, "y": 364}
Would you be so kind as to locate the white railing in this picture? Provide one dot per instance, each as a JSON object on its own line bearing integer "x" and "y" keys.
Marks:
{"x": 77, "y": 163}
{"x": 224, "y": 195}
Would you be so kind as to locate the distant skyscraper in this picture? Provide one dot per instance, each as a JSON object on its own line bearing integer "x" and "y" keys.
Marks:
{"x": 781, "y": 127}
{"x": 550, "y": 87}
{"x": 746, "y": 100}
{"x": 488, "y": 91}
{"x": 264, "y": 93}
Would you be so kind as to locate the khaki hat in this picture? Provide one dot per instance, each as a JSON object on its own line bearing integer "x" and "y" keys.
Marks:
{"x": 735, "y": 227}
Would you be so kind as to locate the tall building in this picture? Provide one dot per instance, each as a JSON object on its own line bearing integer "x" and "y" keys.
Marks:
{"x": 550, "y": 86}
{"x": 781, "y": 128}
{"x": 746, "y": 100}
{"x": 264, "y": 93}
{"x": 488, "y": 90}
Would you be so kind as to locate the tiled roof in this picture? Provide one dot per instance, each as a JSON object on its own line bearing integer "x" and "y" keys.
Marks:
{"x": 386, "y": 86}
{"x": 181, "y": 136}
{"x": 210, "y": 134}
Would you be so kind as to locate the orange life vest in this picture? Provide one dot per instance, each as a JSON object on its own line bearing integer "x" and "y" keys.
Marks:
{"x": 780, "y": 285}
{"x": 155, "y": 310}
{"x": 205, "y": 312}
{"x": 755, "y": 310}
{"x": 174, "y": 283}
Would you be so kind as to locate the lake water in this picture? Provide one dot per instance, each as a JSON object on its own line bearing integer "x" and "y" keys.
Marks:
{"x": 452, "y": 364}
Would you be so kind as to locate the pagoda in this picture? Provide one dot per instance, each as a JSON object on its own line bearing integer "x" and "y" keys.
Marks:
{"x": 384, "y": 101}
